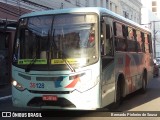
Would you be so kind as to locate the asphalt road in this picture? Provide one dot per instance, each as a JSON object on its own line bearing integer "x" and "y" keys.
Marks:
{"x": 150, "y": 101}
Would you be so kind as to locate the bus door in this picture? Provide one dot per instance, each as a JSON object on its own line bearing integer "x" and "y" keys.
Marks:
{"x": 107, "y": 61}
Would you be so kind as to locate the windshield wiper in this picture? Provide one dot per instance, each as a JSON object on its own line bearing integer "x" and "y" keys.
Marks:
{"x": 63, "y": 56}
{"x": 67, "y": 62}
{"x": 29, "y": 66}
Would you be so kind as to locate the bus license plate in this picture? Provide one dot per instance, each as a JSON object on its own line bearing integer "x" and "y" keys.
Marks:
{"x": 49, "y": 98}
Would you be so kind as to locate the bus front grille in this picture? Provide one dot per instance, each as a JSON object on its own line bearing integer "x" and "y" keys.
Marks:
{"x": 50, "y": 92}
{"x": 61, "y": 102}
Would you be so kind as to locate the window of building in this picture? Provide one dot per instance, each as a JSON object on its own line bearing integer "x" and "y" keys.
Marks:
{"x": 131, "y": 17}
{"x": 77, "y": 3}
{"x": 107, "y": 4}
{"x": 116, "y": 9}
{"x": 154, "y": 9}
{"x": 87, "y": 3}
{"x": 125, "y": 14}
{"x": 154, "y": 3}
{"x": 110, "y": 5}
{"x": 67, "y": 0}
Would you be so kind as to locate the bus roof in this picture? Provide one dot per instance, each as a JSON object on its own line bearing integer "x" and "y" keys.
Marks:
{"x": 97, "y": 10}
{"x": 67, "y": 10}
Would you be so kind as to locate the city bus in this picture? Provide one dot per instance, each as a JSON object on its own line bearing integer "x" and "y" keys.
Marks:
{"x": 78, "y": 58}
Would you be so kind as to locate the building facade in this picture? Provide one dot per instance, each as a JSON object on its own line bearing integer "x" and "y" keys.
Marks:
{"x": 114, "y": 5}
{"x": 60, "y": 4}
{"x": 155, "y": 7}
{"x": 151, "y": 19}
{"x": 131, "y": 9}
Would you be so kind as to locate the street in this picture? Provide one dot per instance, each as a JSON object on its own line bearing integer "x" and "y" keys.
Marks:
{"x": 134, "y": 102}
{"x": 144, "y": 102}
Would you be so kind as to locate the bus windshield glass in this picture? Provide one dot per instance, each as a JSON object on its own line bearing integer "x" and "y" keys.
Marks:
{"x": 54, "y": 39}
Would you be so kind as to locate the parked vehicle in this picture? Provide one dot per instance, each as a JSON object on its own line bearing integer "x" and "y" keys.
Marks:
{"x": 157, "y": 61}
{"x": 156, "y": 70}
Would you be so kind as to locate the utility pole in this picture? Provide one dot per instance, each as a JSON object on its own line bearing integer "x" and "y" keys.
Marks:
{"x": 154, "y": 39}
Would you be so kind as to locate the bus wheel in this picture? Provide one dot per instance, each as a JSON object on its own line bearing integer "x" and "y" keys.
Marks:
{"x": 119, "y": 98}
{"x": 144, "y": 84}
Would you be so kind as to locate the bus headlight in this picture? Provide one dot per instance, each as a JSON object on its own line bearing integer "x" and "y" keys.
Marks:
{"x": 17, "y": 85}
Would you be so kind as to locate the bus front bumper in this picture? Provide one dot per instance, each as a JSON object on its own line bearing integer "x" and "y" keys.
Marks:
{"x": 88, "y": 100}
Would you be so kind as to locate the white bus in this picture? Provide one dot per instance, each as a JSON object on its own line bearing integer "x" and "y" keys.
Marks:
{"x": 78, "y": 58}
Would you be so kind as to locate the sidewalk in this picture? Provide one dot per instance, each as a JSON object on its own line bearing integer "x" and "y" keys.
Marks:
{"x": 5, "y": 90}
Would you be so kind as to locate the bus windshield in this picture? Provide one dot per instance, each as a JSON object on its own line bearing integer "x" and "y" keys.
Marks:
{"x": 51, "y": 40}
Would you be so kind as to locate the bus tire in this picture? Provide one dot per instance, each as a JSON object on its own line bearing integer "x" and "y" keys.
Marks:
{"x": 119, "y": 91}
{"x": 144, "y": 84}
{"x": 119, "y": 98}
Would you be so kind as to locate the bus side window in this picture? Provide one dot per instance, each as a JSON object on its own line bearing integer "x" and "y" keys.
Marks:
{"x": 146, "y": 43}
{"x": 119, "y": 32}
{"x": 150, "y": 43}
{"x": 106, "y": 38}
{"x": 143, "y": 42}
{"x": 139, "y": 41}
{"x": 131, "y": 40}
